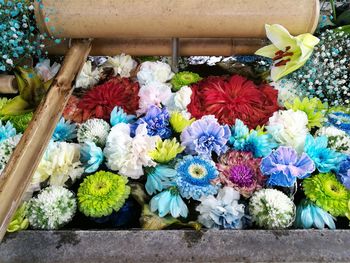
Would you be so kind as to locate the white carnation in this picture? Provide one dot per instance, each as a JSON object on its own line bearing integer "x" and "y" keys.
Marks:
{"x": 180, "y": 100}
{"x": 154, "y": 71}
{"x": 121, "y": 64}
{"x": 87, "y": 77}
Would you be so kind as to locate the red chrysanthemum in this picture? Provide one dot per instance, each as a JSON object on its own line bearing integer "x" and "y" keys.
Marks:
{"x": 231, "y": 98}
{"x": 100, "y": 100}
{"x": 71, "y": 111}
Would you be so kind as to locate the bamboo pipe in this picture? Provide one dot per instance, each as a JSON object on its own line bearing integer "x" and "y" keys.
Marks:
{"x": 163, "y": 47}
{"x": 27, "y": 155}
{"x": 8, "y": 84}
{"x": 178, "y": 19}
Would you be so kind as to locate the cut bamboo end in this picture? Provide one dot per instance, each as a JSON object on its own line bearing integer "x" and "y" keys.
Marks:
{"x": 27, "y": 155}
{"x": 8, "y": 84}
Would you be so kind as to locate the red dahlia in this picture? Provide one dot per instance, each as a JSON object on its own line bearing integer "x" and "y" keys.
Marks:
{"x": 100, "y": 100}
{"x": 231, "y": 98}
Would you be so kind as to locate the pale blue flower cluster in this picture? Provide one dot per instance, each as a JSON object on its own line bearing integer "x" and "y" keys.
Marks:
{"x": 159, "y": 178}
{"x": 118, "y": 115}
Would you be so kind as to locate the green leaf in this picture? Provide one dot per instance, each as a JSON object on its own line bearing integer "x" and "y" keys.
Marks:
{"x": 345, "y": 29}
{"x": 343, "y": 18}
{"x": 16, "y": 106}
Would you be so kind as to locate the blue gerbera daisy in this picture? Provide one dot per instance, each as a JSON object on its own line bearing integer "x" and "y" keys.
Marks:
{"x": 195, "y": 175}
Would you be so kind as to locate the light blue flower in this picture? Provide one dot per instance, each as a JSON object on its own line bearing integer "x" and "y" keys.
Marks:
{"x": 340, "y": 120}
{"x": 6, "y": 131}
{"x": 118, "y": 115}
{"x": 91, "y": 156}
{"x": 260, "y": 145}
{"x": 159, "y": 178}
{"x": 239, "y": 134}
{"x": 65, "y": 131}
{"x": 195, "y": 176}
{"x": 344, "y": 172}
{"x": 205, "y": 136}
{"x": 324, "y": 158}
{"x": 309, "y": 215}
{"x": 169, "y": 201}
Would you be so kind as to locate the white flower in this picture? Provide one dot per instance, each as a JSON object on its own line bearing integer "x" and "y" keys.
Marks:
{"x": 61, "y": 161}
{"x": 45, "y": 71}
{"x": 154, "y": 93}
{"x": 224, "y": 211}
{"x": 6, "y": 149}
{"x": 179, "y": 100}
{"x": 338, "y": 140}
{"x": 121, "y": 64}
{"x": 289, "y": 128}
{"x": 286, "y": 91}
{"x": 93, "y": 130}
{"x": 154, "y": 71}
{"x": 87, "y": 77}
{"x": 271, "y": 209}
{"x": 126, "y": 154}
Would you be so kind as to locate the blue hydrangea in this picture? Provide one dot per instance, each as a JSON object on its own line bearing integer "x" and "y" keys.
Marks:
{"x": 324, "y": 158}
{"x": 91, "y": 156}
{"x": 6, "y": 131}
{"x": 344, "y": 172}
{"x": 195, "y": 176}
{"x": 118, "y": 115}
{"x": 65, "y": 131}
{"x": 159, "y": 178}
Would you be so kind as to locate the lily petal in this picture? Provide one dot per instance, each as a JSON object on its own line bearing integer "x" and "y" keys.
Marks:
{"x": 268, "y": 51}
{"x": 279, "y": 36}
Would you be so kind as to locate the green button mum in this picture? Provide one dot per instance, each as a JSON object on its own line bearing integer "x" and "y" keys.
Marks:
{"x": 184, "y": 78}
{"x": 328, "y": 193}
{"x": 102, "y": 193}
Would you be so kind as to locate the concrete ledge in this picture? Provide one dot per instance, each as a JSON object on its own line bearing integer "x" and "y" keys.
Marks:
{"x": 176, "y": 245}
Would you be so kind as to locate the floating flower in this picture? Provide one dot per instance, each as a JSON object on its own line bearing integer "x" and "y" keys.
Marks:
{"x": 159, "y": 178}
{"x": 184, "y": 78}
{"x": 195, "y": 177}
{"x": 154, "y": 71}
{"x": 118, "y": 115}
{"x": 93, "y": 130}
{"x": 87, "y": 77}
{"x": 271, "y": 209}
{"x": 19, "y": 221}
{"x": 102, "y": 193}
{"x": 233, "y": 98}
{"x": 328, "y": 193}
{"x": 65, "y": 131}
{"x": 6, "y": 131}
{"x": 99, "y": 101}
{"x": 6, "y": 149}
{"x": 283, "y": 166}
{"x": 324, "y": 158}
{"x": 344, "y": 172}
{"x": 313, "y": 108}
{"x": 121, "y": 64}
{"x": 126, "y": 154}
{"x": 309, "y": 215}
{"x": 205, "y": 136}
{"x": 166, "y": 150}
{"x": 338, "y": 140}
{"x": 59, "y": 164}
{"x": 52, "y": 208}
{"x": 340, "y": 120}
{"x": 223, "y": 211}
{"x": 19, "y": 122}
{"x": 73, "y": 113}
{"x": 289, "y": 53}
{"x": 153, "y": 93}
{"x": 169, "y": 202}
{"x": 180, "y": 100}
{"x": 91, "y": 156}
{"x": 240, "y": 171}
{"x": 157, "y": 121}
{"x": 46, "y": 71}
{"x": 289, "y": 128}
{"x": 179, "y": 122}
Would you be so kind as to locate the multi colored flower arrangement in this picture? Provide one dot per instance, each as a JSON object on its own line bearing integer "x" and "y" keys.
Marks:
{"x": 144, "y": 144}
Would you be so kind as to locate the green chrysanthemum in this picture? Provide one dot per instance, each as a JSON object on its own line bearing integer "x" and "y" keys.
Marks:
{"x": 19, "y": 221}
{"x": 313, "y": 108}
{"x": 328, "y": 193}
{"x": 20, "y": 122}
{"x": 166, "y": 150}
{"x": 3, "y": 102}
{"x": 184, "y": 78}
{"x": 102, "y": 193}
{"x": 178, "y": 122}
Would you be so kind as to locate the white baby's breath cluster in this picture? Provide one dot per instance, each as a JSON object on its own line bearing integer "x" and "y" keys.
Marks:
{"x": 338, "y": 140}
{"x": 271, "y": 209}
{"x": 93, "y": 130}
{"x": 286, "y": 91}
{"x": 6, "y": 148}
{"x": 126, "y": 154}
{"x": 53, "y": 207}
{"x": 122, "y": 65}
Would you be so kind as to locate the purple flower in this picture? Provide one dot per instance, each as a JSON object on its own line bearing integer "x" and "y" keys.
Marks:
{"x": 283, "y": 166}
{"x": 157, "y": 120}
{"x": 344, "y": 172}
{"x": 205, "y": 136}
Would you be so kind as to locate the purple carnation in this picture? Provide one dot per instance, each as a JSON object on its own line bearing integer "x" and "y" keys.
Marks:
{"x": 283, "y": 166}
{"x": 205, "y": 136}
{"x": 344, "y": 172}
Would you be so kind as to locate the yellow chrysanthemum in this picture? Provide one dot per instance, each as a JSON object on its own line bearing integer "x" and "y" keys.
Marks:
{"x": 178, "y": 122}
{"x": 166, "y": 150}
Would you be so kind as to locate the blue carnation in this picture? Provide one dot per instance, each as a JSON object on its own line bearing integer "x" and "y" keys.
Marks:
{"x": 344, "y": 172}
{"x": 6, "y": 131}
{"x": 91, "y": 157}
{"x": 65, "y": 131}
{"x": 195, "y": 176}
{"x": 159, "y": 178}
{"x": 324, "y": 158}
{"x": 118, "y": 115}
{"x": 260, "y": 145}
